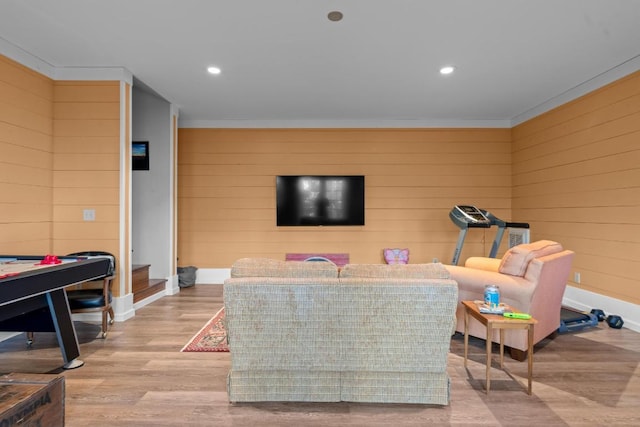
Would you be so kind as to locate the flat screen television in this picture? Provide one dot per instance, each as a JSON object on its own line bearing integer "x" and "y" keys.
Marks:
{"x": 140, "y": 155}
{"x": 320, "y": 200}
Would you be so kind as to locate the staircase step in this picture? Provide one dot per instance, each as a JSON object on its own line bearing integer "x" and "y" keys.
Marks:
{"x": 153, "y": 287}
{"x": 139, "y": 277}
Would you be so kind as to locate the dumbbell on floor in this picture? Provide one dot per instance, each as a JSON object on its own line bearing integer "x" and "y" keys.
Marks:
{"x": 615, "y": 321}
{"x": 599, "y": 314}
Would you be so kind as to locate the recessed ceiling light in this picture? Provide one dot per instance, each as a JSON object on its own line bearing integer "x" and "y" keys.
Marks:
{"x": 213, "y": 70}
{"x": 447, "y": 70}
{"x": 335, "y": 16}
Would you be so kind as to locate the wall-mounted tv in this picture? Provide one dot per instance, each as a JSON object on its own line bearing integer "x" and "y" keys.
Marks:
{"x": 140, "y": 155}
{"x": 320, "y": 200}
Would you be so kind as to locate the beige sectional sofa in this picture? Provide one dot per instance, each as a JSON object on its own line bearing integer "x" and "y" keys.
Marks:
{"x": 306, "y": 331}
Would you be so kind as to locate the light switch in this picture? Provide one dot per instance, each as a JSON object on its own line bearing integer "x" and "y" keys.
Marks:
{"x": 89, "y": 214}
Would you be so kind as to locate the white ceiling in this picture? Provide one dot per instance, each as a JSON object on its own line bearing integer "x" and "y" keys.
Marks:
{"x": 284, "y": 63}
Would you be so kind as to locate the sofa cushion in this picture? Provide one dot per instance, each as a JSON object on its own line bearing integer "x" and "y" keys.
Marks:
{"x": 483, "y": 263}
{"x": 516, "y": 260}
{"x": 396, "y": 271}
{"x": 266, "y": 267}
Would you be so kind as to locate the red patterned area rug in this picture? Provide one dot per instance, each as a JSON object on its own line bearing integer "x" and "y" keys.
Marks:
{"x": 212, "y": 336}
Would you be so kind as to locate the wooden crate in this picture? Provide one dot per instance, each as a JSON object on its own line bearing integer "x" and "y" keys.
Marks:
{"x": 31, "y": 400}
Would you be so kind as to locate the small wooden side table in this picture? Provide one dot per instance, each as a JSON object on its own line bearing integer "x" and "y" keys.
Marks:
{"x": 497, "y": 321}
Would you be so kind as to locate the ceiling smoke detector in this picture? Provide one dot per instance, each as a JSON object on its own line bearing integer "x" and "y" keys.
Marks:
{"x": 335, "y": 16}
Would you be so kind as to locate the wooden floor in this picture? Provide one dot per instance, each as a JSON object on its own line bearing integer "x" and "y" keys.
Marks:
{"x": 139, "y": 377}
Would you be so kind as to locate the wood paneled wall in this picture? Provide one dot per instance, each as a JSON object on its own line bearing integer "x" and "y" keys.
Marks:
{"x": 26, "y": 159}
{"x": 572, "y": 173}
{"x": 86, "y": 166}
{"x": 226, "y": 190}
{"x": 59, "y": 154}
{"x": 576, "y": 179}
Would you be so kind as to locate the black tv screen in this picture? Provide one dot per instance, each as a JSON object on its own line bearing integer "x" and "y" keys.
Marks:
{"x": 320, "y": 200}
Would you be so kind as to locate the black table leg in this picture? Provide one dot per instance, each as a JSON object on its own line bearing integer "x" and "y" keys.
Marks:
{"x": 65, "y": 331}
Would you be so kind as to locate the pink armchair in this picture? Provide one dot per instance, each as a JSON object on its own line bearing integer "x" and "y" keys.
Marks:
{"x": 532, "y": 278}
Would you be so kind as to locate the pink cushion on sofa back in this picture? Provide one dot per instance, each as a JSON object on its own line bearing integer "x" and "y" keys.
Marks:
{"x": 515, "y": 260}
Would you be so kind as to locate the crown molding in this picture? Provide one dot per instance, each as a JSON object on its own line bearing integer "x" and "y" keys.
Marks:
{"x": 93, "y": 74}
{"x": 610, "y": 76}
{"x": 34, "y": 63}
{"x": 343, "y": 124}
{"x": 23, "y": 57}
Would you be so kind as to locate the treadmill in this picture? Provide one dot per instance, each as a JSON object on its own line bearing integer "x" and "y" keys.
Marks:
{"x": 467, "y": 216}
{"x": 573, "y": 320}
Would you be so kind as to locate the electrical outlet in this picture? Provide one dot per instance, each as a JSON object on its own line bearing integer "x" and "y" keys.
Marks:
{"x": 89, "y": 214}
{"x": 576, "y": 277}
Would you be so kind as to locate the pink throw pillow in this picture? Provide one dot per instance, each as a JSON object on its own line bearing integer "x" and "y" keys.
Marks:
{"x": 396, "y": 256}
{"x": 516, "y": 260}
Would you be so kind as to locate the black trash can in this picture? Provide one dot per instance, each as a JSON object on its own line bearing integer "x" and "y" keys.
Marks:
{"x": 187, "y": 276}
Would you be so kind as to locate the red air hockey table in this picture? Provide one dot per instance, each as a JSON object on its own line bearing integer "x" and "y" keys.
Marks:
{"x": 33, "y": 299}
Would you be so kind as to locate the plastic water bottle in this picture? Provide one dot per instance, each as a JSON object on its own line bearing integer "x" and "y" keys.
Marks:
{"x": 492, "y": 296}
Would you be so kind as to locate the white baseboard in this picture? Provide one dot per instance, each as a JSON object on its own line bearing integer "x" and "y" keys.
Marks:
{"x": 584, "y": 300}
{"x": 148, "y": 300}
{"x": 172, "y": 286}
{"x": 123, "y": 307}
{"x": 212, "y": 276}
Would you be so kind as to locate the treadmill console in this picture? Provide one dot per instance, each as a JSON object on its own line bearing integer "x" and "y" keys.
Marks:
{"x": 465, "y": 216}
